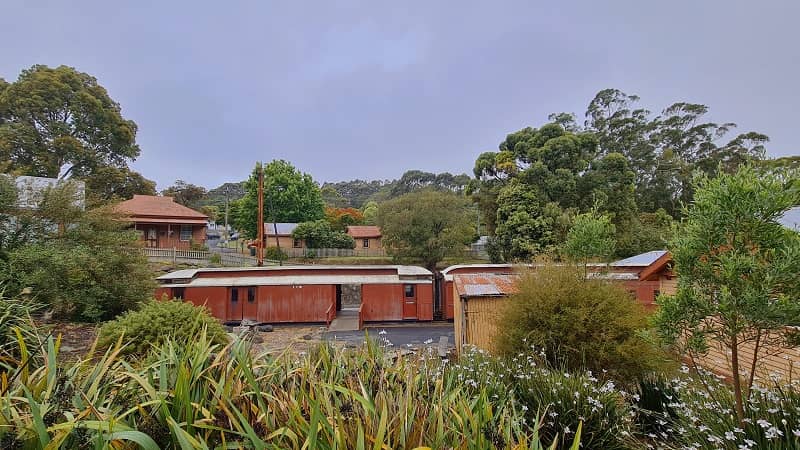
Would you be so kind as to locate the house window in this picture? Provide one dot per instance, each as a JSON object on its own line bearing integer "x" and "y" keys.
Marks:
{"x": 297, "y": 243}
{"x": 251, "y": 295}
{"x": 409, "y": 290}
{"x": 178, "y": 293}
{"x": 365, "y": 243}
{"x": 186, "y": 232}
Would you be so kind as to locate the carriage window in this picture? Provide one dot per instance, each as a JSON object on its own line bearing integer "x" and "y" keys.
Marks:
{"x": 178, "y": 293}
{"x": 409, "y": 290}
{"x": 251, "y": 294}
{"x": 234, "y": 295}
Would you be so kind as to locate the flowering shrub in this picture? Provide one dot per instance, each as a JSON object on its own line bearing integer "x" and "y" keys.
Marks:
{"x": 564, "y": 400}
{"x": 704, "y": 416}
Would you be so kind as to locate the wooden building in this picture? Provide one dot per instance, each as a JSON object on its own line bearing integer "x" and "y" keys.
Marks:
{"x": 367, "y": 237}
{"x": 312, "y": 293}
{"x": 653, "y": 275}
{"x": 283, "y": 238}
{"x": 162, "y": 223}
{"x": 480, "y": 298}
{"x": 446, "y": 292}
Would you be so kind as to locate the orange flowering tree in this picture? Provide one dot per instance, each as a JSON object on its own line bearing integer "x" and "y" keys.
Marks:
{"x": 341, "y": 218}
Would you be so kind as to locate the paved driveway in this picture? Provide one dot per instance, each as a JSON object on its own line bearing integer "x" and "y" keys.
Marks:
{"x": 410, "y": 336}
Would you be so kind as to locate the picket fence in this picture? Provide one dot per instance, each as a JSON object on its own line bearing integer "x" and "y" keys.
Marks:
{"x": 201, "y": 257}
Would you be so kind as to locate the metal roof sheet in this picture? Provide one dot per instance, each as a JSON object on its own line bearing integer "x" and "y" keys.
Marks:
{"x": 642, "y": 260}
{"x": 485, "y": 284}
{"x": 288, "y": 280}
{"x": 364, "y": 231}
{"x": 157, "y": 206}
{"x": 284, "y": 228}
{"x": 402, "y": 271}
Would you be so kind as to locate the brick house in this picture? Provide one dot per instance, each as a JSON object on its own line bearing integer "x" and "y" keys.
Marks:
{"x": 367, "y": 237}
{"x": 162, "y": 223}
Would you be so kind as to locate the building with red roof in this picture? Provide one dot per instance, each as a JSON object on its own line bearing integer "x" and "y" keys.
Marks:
{"x": 162, "y": 223}
{"x": 366, "y": 236}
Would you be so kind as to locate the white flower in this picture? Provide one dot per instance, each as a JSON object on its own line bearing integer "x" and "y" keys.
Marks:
{"x": 773, "y": 433}
{"x": 796, "y": 433}
{"x": 382, "y": 332}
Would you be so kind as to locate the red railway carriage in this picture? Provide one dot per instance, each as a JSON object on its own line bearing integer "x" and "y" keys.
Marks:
{"x": 311, "y": 293}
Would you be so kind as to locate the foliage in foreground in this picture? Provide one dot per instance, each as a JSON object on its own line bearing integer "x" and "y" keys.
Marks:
{"x": 580, "y": 323}
{"x": 205, "y": 396}
{"x": 738, "y": 265}
{"x": 699, "y": 412}
{"x": 156, "y": 322}
{"x": 76, "y": 263}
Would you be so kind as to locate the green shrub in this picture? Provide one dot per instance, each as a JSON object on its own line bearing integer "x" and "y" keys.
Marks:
{"x": 215, "y": 258}
{"x": 582, "y": 324}
{"x": 275, "y": 254}
{"x": 156, "y": 321}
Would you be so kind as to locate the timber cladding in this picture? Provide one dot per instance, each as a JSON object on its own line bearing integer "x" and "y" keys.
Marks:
{"x": 775, "y": 362}
{"x": 479, "y": 326}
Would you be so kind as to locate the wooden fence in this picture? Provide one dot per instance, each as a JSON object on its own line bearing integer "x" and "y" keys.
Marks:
{"x": 334, "y": 252}
{"x": 774, "y": 361}
{"x": 201, "y": 257}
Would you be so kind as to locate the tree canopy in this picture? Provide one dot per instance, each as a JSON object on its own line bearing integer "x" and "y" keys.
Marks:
{"x": 62, "y": 122}
{"x": 289, "y": 196}
{"x": 187, "y": 194}
{"x": 633, "y": 166}
{"x": 320, "y": 234}
{"x": 426, "y": 226}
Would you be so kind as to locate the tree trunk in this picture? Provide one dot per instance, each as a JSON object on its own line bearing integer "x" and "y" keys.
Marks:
{"x": 737, "y": 382}
{"x": 753, "y": 365}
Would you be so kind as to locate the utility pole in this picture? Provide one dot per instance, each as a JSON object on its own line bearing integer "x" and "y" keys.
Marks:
{"x": 260, "y": 224}
{"x": 227, "y": 191}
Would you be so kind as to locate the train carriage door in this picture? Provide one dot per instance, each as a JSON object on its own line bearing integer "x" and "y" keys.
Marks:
{"x": 250, "y": 304}
{"x": 409, "y": 302}
{"x": 235, "y": 311}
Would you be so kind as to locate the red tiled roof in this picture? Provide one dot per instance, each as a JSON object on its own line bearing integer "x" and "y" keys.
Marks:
{"x": 364, "y": 231}
{"x": 485, "y": 284}
{"x": 150, "y": 206}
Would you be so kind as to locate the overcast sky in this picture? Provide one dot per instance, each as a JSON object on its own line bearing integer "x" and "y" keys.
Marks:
{"x": 374, "y": 88}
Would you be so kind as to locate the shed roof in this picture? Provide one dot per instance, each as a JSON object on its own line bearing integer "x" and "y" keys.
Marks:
{"x": 284, "y": 228}
{"x": 402, "y": 271}
{"x": 364, "y": 231}
{"x": 485, "y": 284}
{"x": 642, "y": 260}
{"x": 289, "y": 280}
{"x": 152, "y": 206}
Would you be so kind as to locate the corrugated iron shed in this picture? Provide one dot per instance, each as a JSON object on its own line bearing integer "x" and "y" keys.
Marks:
{"x": 485, "y": 284}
